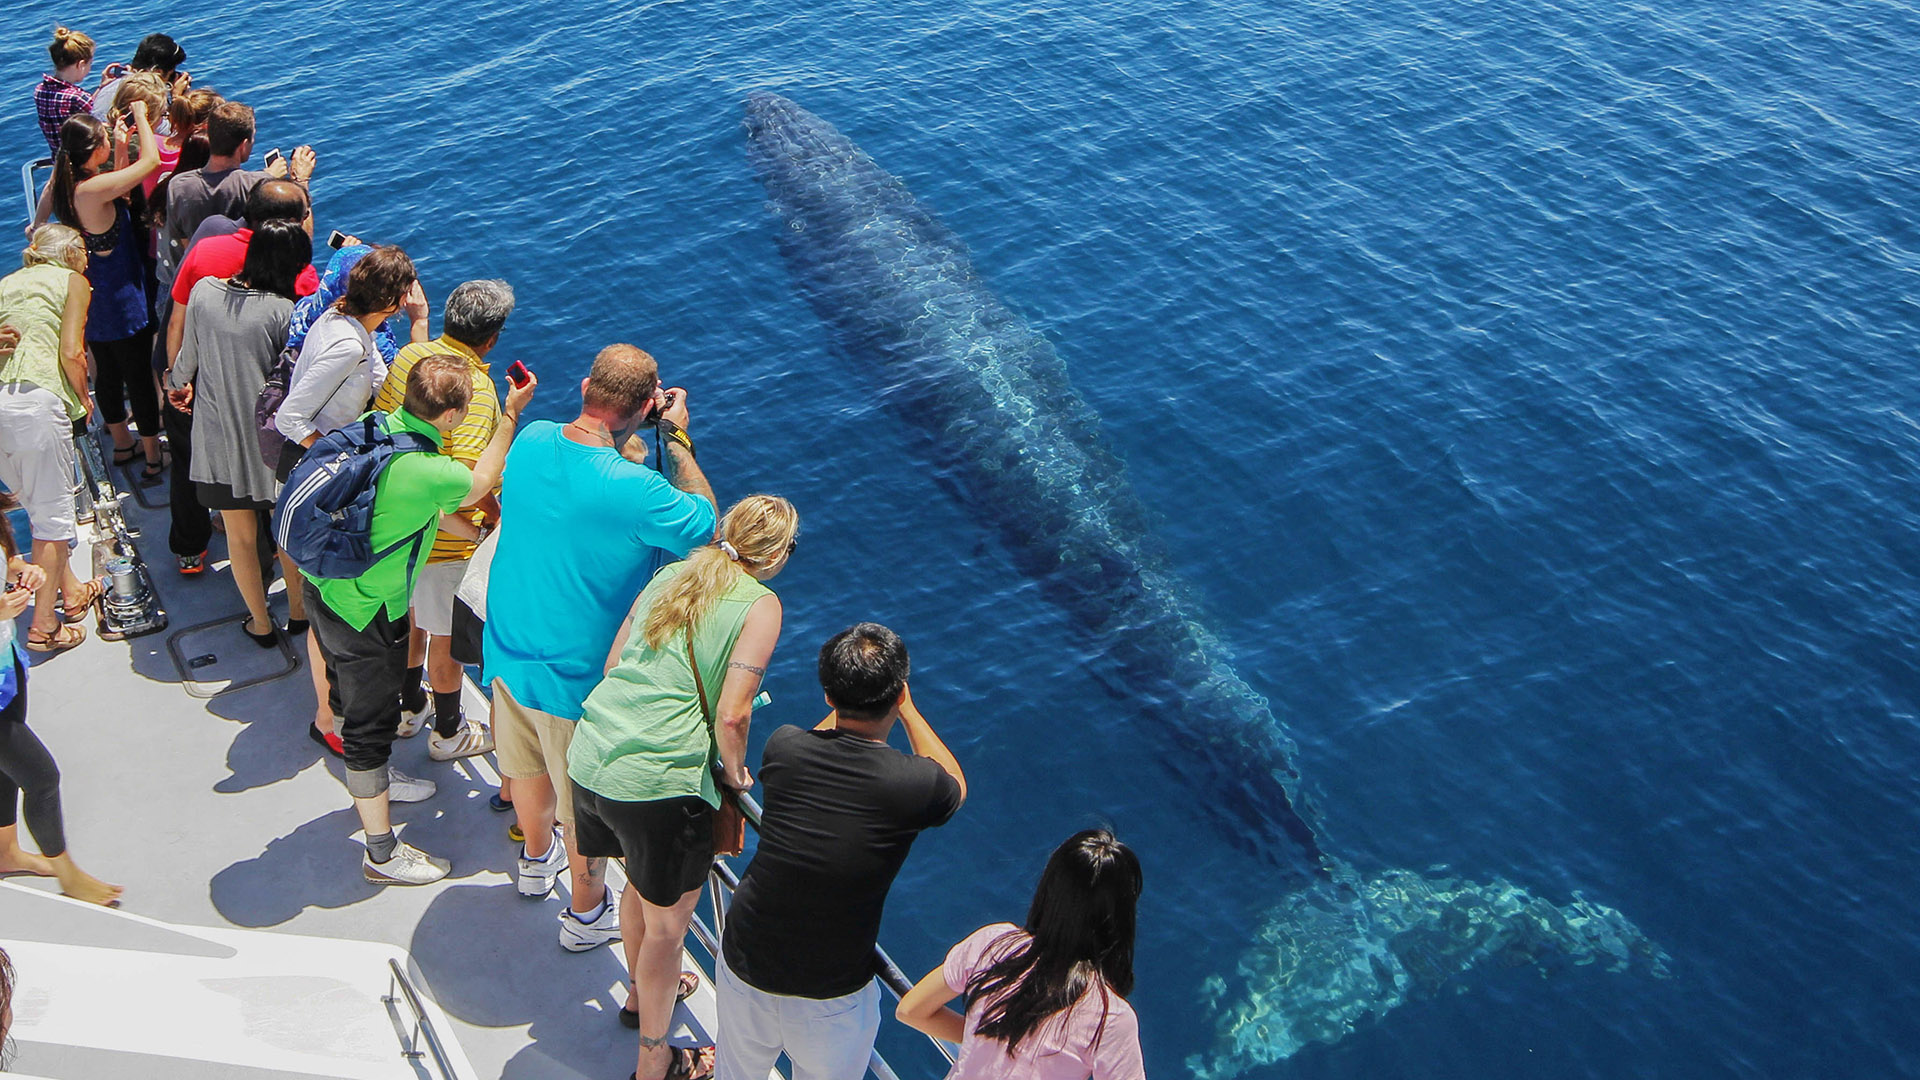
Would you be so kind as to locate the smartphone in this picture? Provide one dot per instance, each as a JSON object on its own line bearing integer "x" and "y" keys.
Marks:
{"x": 337, "y": 240}
{"x": 274, "y": 157}
{"x": 518, "y": 375}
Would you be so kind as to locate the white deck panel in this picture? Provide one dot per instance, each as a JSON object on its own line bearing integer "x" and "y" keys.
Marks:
{"x": 219, "y": 814}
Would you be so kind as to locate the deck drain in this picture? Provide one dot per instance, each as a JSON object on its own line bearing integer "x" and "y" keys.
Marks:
{"x": 217, "y": 657}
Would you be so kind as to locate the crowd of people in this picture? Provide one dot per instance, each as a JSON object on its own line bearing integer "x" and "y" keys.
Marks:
{"x": 170, "y": 289}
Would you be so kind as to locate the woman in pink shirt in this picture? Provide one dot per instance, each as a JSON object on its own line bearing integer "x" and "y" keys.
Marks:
{"x": 1047, "y": 1002}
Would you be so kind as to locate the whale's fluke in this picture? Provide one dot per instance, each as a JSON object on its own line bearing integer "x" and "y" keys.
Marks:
{"x": 900, "y": 295}
{"x": 1325, "y": 962}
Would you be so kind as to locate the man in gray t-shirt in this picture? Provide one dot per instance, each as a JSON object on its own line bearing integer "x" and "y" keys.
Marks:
{"x": 223, "y": 185}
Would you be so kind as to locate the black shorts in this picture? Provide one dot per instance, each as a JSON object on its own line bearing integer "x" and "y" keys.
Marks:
{"x": 667, "y": 844}
{"x": 222, "y": 497}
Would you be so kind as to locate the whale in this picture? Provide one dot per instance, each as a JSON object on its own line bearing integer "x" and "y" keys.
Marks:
{"x": 898, "y": 295}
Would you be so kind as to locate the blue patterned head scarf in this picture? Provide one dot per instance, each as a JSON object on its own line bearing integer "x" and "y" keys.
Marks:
{"x": 333, "y": 286}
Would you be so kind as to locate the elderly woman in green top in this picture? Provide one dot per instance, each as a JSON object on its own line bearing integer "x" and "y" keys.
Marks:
{"x": 676, "y": 701}
{"x": 43, "y": 389}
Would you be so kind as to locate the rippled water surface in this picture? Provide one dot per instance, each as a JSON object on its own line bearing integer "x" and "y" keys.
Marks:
{"x": 1524, "y": 389}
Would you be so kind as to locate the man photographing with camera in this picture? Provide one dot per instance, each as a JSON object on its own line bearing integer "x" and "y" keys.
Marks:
{"x": 582, "y": 518}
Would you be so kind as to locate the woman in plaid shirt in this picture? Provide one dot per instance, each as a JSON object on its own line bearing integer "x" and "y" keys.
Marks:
{"x": 60, "y": 95}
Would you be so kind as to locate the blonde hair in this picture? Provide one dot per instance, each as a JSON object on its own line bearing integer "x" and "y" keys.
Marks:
{"x": 144, "y": 86}
{"x": 69, "y": 47}
{"x": 759, "y": 529}
{"x": 188, "y": 112}
{"x": 56, "y": 245}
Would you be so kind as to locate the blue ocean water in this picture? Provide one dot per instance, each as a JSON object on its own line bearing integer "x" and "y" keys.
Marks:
{"x": 1521, "y": 388}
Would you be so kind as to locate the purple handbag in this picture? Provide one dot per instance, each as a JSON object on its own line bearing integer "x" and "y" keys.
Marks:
{"x": 272, "y": 443}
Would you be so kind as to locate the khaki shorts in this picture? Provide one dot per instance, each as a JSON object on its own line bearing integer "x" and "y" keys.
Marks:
{"x": 433, "y": 596}
{"x": 529, "y": 743}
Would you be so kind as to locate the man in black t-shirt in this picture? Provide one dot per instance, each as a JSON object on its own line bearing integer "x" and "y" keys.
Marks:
{"x": 841, "y": 809}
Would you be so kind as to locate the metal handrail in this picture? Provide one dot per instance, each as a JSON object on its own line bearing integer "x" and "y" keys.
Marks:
{"x": 721, "y": 883}
{"x": 422, "y": 1026}
{"x": 26, "y": 181}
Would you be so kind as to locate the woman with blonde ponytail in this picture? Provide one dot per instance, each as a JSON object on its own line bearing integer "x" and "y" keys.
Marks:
{"x": 672, "y": 713}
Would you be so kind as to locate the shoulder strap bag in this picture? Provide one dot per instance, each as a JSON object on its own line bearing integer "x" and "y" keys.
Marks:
{"x": 729, "y": 824}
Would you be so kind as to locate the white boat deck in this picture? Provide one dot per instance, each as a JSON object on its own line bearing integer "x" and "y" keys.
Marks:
{"x": 220, "y": 815}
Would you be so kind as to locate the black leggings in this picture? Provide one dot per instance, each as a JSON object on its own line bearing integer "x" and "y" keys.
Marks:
{"x": 123, "y": 370}
{"x": 26, "y": 767}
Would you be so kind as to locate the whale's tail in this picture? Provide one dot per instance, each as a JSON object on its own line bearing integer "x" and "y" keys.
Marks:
{"x": 1331, "y": 958}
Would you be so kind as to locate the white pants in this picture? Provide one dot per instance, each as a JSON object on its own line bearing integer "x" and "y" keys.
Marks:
{"x": 825, "y": 1038}
{"x": 37, "y": 458}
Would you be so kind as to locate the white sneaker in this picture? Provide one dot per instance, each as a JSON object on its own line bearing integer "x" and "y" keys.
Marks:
{"x": 537, "y": 876}
{"x": 413, "y": 722}
{"x": 473, "y": 738}
{"x": 409, "y": 866}
{"x": 404, "y": 788}
{"x": 577, "y": 936}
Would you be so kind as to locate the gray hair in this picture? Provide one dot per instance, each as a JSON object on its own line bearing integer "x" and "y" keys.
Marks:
{"x": 476, "y": 311}
{"x": 56, "y": 245}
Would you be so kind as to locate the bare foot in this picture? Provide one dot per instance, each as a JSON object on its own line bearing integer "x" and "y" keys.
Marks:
{"x": 21, "y": 861}
{"x": 81, "y": 885}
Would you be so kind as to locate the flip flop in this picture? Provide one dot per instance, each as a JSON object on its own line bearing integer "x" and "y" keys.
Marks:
{"x": 89, "y": 592}
{"x": 63, "y": 637}
{"x": 689, "y": 982}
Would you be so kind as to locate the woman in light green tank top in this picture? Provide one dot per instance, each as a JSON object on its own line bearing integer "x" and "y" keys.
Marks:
{"x": 643, "y": 754}
{"x": 43, "y": 389}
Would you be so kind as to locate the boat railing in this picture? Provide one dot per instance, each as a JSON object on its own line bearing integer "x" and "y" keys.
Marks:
{"x": 721, "y": 883}
{"x": 32, "y": 189}
{"x": 422, "y": 1032}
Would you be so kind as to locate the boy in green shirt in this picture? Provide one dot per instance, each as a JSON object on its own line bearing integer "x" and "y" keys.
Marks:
{"x": 361, "y": 623}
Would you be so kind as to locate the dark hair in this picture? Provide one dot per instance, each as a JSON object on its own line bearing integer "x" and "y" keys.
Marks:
{"x": 193, "y": 155}
{"x": 863, "y": 669}
{"x": 380, "y": 280}
{"x": 229, "y": 125}
{"x": 276, "y": 254}
{"x": 276, "y": 200}
{"x": 80, "y": 138}
{"x": 10, "y": 547}
{"x": 6, "y": 962}
{"x": 476, "y": 310}
{"x": 438, "y": 383}
{"x": 620, "y": 383}
{"x": 1080, "y": 938}
{"x": 158, "y": 52}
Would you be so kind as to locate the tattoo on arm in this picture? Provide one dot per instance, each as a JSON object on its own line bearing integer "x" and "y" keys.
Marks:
{"x": 760, "y": 671}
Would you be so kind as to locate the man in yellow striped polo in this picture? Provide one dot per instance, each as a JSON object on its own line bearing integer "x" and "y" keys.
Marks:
{"x": 470, "y": 327}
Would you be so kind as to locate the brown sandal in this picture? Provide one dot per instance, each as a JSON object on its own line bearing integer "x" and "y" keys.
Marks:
{"x": 62, "y": 637}
{"x": 689, "y": 982}
{"x": 89, "y": 592}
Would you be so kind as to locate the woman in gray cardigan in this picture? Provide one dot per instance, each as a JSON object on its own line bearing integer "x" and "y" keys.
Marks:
{"x": 235, "y": 328}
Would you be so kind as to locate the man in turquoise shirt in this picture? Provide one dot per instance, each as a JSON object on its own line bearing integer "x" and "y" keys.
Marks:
{"x": 361, "y": 623}
{"x": 584, "y": 520}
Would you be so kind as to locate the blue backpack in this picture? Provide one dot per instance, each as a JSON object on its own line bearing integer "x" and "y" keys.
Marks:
{"x": 323, "y": 519}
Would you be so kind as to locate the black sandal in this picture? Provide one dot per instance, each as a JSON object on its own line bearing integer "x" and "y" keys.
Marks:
{"x": 267, "y": 640}
{"x": 153, "y": 470}
{"x": 681, "y": 1067}
{"x": 123, "y": 455}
